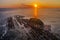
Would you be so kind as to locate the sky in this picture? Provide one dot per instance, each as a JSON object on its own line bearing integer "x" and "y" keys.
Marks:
{"x": 9, "y": 3}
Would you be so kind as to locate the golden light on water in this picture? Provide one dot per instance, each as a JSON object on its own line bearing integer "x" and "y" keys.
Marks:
{"x": 35, "y": 11}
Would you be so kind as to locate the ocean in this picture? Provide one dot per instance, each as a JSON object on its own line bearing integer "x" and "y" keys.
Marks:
{"x": 49, "y": 16}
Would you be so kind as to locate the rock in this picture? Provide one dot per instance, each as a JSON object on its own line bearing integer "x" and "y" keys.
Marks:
{"x": 27, "y": 29}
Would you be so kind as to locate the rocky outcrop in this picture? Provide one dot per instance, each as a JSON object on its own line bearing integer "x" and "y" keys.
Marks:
{"x": 26, "y": 29}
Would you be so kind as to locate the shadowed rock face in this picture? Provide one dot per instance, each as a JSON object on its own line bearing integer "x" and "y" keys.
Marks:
{"x": 36, "y": 23}
{"x": 26, "y": 29}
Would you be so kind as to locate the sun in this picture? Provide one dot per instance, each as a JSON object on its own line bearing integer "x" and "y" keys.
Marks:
{"x": 35, "y": 5}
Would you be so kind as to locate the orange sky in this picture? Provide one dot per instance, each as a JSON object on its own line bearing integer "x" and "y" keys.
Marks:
{"x": 41, "y": 3}
{"x": 18, "y": 6}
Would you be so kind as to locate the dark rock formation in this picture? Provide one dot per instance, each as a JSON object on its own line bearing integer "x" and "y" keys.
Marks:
{"x": 26, "y": 29}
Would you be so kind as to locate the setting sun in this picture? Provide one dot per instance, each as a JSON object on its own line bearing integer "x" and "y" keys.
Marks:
{"x": 35, "y": 5}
